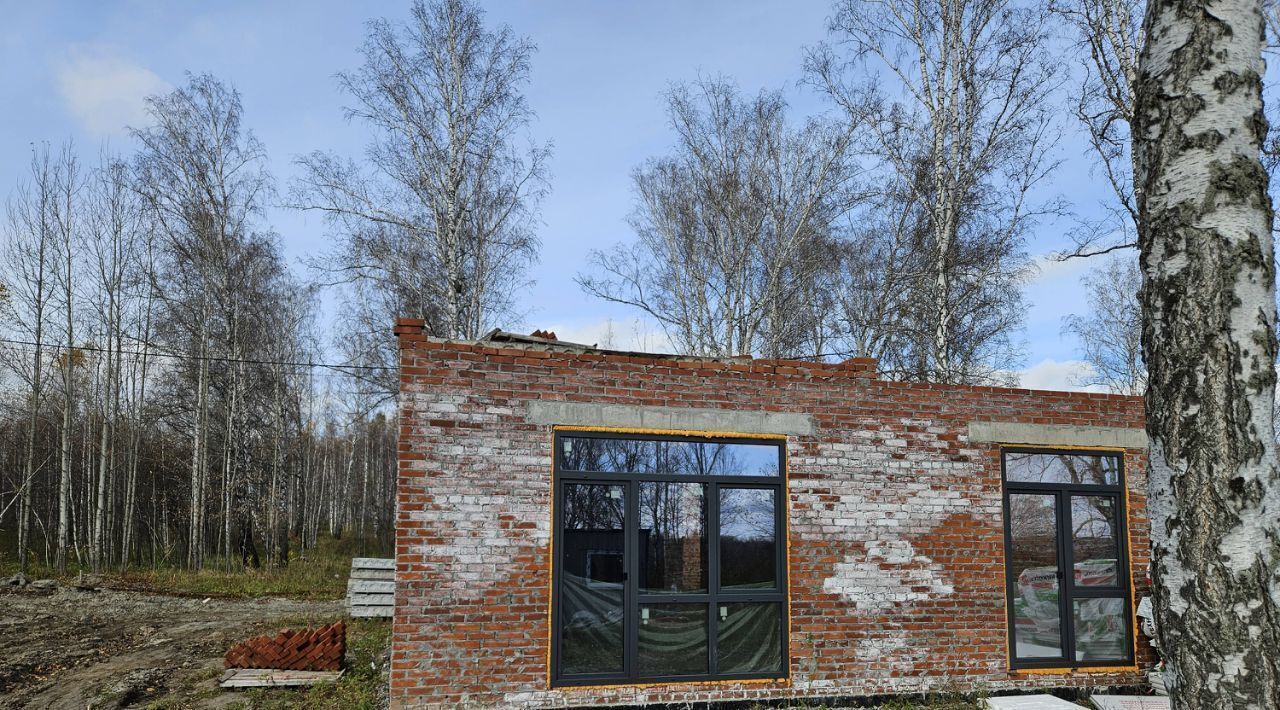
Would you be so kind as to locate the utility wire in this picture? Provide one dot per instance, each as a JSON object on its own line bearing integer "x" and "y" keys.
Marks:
{"x": 210, "y": 358}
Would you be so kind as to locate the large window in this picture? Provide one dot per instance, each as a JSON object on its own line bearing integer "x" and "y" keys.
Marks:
{"x": 669, "y": 559}
{"x": 1068, "y": 576}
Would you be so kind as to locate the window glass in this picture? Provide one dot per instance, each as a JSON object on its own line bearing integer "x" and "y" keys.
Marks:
{"x": 1078, "y": 469}
{"x": 1033, "y": 559}
{"x": 695, "y": 458}
{"x": 748, "y": 548}
{"x": 1094, "y": 547}
{"x": 581, "y": 453}
{"x": 673, "y": 639}
{"x": 1067, "y": 577}
{"x": 1101, "y": 631}
{"x": 749, "y": 638}
{"x": 591, "y": 579}
{"x": 634, "y": 598}
{"x": 673, "y": 537}
{"x": 717, "y": 459}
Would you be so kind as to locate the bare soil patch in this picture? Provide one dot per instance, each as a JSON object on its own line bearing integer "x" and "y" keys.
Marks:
{"x": 73, "y": 648}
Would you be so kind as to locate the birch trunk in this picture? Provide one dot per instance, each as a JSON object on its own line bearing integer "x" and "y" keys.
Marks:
{"x": 195, "y": 540}
{"x": 1210, "y": 345}
{"x": 33, "y": 418}
{"x": 68, "y": 382}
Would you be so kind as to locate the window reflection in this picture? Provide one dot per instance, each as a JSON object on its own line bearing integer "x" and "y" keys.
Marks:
{"x": 1094, "y": 546}
{"x": 580, "y": 453}
{"x": 748, "y": 548}
{"x": 703, "y": 458}
{"x": 1100, "y": 629}
{"x": 673, "y": 537}
{"x": 1081, "y": 469}
{"x": 748, "y": 639}
{"x": 1033, "y": 556}
{"x": 592, "y": 578}
{"x": 673, "y": 639}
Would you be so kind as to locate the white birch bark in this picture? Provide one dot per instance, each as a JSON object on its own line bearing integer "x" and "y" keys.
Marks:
{"x": 1210, "y": 346}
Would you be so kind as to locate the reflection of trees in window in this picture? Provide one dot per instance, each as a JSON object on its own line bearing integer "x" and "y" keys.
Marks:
{"x": 717, "y": 459}
{"x": 1033, "y": 530}
{"x": 747, "y": 542}
{"x": 675, "y": 515}
{"x": 592, "y": 507}
{"x": 1077, "y": 469}
{"x": 592, "y": 454}
{"x": 666, "y": 527}
{"x": 676, "y": 457}
{"x": 1064, "y": 525}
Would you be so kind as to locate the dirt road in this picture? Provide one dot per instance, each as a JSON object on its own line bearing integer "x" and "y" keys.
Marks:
{"x": 72, "y": 648}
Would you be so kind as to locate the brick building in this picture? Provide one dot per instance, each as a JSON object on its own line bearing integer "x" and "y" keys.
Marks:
{"x": 578, "y": 526}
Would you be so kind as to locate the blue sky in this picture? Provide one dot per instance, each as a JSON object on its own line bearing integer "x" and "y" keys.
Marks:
{"x": 80, "y": 71}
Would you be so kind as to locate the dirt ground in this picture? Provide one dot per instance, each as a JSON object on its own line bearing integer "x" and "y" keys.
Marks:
{"x": 75, "y": 648}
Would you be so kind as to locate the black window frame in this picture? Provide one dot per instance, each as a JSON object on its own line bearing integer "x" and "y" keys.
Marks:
{"x": 1068, "y": 592}
{"x": 633, "y": 598}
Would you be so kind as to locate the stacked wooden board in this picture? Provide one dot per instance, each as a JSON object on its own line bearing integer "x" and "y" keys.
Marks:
{"x": 319, "y": 649}
{"x": 371, "y": 588}
{"x": 271, "y": 677}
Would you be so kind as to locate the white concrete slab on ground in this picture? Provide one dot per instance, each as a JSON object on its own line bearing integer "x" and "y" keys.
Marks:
{"x": 1130, "y": 702}
{"x": 1030, "y": 702}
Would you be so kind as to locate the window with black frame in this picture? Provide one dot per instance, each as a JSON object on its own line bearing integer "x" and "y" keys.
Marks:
{"x": 1065, "y": 561}
{"x": 670, "y": 559}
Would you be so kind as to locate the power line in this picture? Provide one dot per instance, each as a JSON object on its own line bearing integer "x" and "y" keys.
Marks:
{"x": 209, "y": 358}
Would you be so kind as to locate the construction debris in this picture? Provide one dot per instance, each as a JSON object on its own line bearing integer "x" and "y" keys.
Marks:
{"x": 371, "y": 589}
{"x": 319, "y": 649}
{"x": 1030, "y": 702}
{"x": 268, "y": 677}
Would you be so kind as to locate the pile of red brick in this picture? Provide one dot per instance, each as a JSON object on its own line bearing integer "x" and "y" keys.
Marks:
{"x": 303, "y": 650}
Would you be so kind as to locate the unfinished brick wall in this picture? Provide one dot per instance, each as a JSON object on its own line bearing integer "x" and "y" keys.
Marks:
{"x": 896, "y": 559}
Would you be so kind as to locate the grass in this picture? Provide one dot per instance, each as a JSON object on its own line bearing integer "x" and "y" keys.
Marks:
{"x": 316, "y": 574}
{"x": 359, "y": 688}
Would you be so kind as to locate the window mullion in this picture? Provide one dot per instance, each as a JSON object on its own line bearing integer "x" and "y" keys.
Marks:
{"x": 630, "y": 586}
{"x": 1067, "y": 583}
{"x": 712, "y": 499}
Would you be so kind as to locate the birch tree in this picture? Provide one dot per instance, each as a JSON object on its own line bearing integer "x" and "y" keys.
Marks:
{"x": 439, "y": 219}
{"x": 1110, "y": 332}
{"x": 113, "y": 230}
{"x": 961, "y": 119}
{"x": 1209, "y": 342}
{"x": 735, "y": 227}
{"x": 65, "y": 215}
{"x": 29, "y": 244}
{"x": 202, "y": 177}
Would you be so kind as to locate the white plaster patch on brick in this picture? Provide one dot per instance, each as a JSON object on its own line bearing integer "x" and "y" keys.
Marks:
{"x": 890, "y": 572}
{"x": 883, "y": 500}
{"x": 874, "y": 649}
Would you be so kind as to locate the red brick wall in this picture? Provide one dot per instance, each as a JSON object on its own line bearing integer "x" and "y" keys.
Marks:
{"x": 896, "y": 543}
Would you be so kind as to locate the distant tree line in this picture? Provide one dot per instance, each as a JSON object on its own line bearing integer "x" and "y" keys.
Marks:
{"x": 155, "y": 353}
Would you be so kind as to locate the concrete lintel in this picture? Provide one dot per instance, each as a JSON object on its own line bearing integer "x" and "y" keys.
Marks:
{"x": 1057, "y": 435}
{"x": 671, "y": 418}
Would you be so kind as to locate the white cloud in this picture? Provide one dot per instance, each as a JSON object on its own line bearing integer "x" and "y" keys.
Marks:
{"x": 638, "y": 334}
{"x": 1050, "y": 374}
{"x": 104, "y": 91}
{"x": 1049, "y": 269}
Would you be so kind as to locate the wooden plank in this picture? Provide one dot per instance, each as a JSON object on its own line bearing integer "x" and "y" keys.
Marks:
{"x": 373, "y": 610}
{"x": 1130, "y": 702}
{"x": 371, "y": 599}
{"x": 362, "y": 586}
{"x": 269, "y": 677}
{"x": 373, "y": 563}
{"x": 374, "y": 574}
